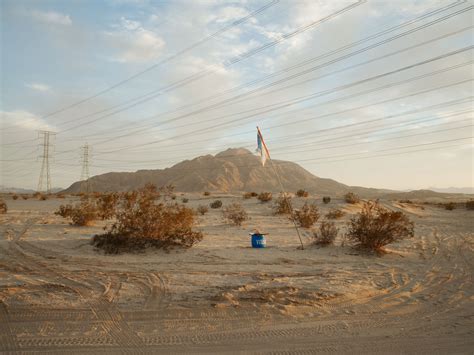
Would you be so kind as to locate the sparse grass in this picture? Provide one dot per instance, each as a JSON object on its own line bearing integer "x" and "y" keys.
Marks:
{"x": 326, "y": 199}
{"x": 307, "y": 216}
{"x": 375, "y": 227}
{"x": 470, "y": 205}
{"x": 302, "y": 193}
{"x": 141, "y": 223}
{"x": 216, "y": 204}
{"x": 335, "y": 214}
{"x": 235, "y": 214}
{"x": 352, "y": 198}
{"x": 202, "y": 210}
{"x": 265, "y": 197}
{"x": 282, "y": 205}
{"x": 326, "y": 234}
{"x": 3, "y": 207}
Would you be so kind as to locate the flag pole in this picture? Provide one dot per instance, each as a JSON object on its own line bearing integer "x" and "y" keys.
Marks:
{"x": 282, "y": 188}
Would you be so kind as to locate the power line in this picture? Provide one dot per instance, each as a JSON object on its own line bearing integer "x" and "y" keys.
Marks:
{"x": 45, "y": 168}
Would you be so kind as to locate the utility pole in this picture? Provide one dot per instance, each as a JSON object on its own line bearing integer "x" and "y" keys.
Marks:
{"x": 85, "y": 154}
{"x": 45, "y": 169}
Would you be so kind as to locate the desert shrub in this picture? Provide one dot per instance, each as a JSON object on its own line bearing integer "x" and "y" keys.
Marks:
{"x": 3, "y": 207}
{"x": 282, "y": 205}
{"x": 202, "y": 210}
{"x": 302, "y": 193}
{"x": 326, "y": 234}
{"x": 207, "y": 193}
{"x": 37, "y": 195}
{"x": 81, "y": 214}
{"x": 235, "y": 214}
{"x": 264, "y": 196}
{"x": 307, "y": 215}
{"x": 450, "y": 206}
{"x": 326, "y": 199}
{"x": 247, "y": 195}
{"x": 173, "y": 197}
{"x": 351, "y": 197}
{"x": 24, "y": 197}
{"x": 334, "y": 214}
{"x": 106, "y": 205}
{"x": 142, "y": 223}
{"x": 405, "y": 201}
{"x": 43, "y": 197}
{"x": 470, "y": 205}
{"x": 216, "y": 204}
{"x": 15, "y": 197}
{"x": 254, "y": 194}
{"x": 375, "y": 226}
{"x": 60, "y": 195}
{"x": 185, "y": 200}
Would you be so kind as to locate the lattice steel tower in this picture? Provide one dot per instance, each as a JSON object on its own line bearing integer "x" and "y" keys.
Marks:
{"x": 85, "y": 154}
{"x": 45, "y": 170}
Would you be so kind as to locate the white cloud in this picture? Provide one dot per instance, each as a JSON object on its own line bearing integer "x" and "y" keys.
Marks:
{"x": 38, "y": 87}
{"x": 134, "y": 42}
{"x": 24, "y": 120}
{"x": 52, "y": 17}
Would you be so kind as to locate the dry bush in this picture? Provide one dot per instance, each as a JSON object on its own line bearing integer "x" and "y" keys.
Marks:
{"x": 43, "y": 197}
{"x": 264, "y": 196}
{"x": 351, "y": 197}
{"x": 24, "y": 197}
{"x": 60, "y": 195}
{"x": 15, "y": 197}
{"x": 81, "y": 214}
{"x": 3, "y": 207}
{"x": 142, "y": 223}
{"x": 326, "y": 235}
{"x": 326, "y": 199}
{"x": 302, "y": 193}
{"x": 282, "y": 205}
{"x": 216, "y": 204}
{"x": 247, "y": 195}
{"x": 37, "y": 195}
{"x": 375, "y": 226}
{"x": 307, "y": 215}
{"x": 470, "y": 205}
{"x": 406, "y": 201}
{"x": 254, "y": 194}
{"x": 235, "y": 214}
{"x": 450, "y": 206}
{"x": 97, "y": 194}
{"x": 106, "y": 205}
{"x": 202, "y": 210}
{"x": 185, "y": 200}
{"x": 334, "y": 214}
{"x": 207, "y": 193}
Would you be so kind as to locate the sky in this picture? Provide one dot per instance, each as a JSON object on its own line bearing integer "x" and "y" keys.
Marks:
{"x": 369, "y": 93}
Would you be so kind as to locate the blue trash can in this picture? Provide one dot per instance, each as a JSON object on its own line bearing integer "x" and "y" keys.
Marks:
{"x": 258, "y": 241}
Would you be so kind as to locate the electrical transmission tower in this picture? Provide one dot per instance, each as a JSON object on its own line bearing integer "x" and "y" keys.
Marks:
{"x": 45, "y": 170}
{"x": 85, "y": 155}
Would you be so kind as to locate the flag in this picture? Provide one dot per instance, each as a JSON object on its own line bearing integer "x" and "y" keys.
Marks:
{"x": 262, "y": 148}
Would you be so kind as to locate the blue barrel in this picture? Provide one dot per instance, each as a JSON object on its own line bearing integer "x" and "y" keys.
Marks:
{"x": 258, "y": 241}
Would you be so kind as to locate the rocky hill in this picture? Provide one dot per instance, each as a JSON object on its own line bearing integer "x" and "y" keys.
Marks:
{"x": 232, "y": 170}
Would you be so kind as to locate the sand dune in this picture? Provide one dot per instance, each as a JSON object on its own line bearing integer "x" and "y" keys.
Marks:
{"x": 58, "y": 294}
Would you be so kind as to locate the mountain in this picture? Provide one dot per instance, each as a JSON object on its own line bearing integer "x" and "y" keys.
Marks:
{"x": 453, "y": 190}
{"x": 19, "y": 190}
{"x": 232, "y": 170}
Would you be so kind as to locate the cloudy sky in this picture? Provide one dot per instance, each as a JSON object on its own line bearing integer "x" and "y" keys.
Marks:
{"x": 375, "y": 93}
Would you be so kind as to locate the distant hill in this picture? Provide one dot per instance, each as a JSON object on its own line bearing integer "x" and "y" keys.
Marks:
{"x": 19, "y": 190}
{"x": 453, "y": 190}
{"x": 425, "y": 195}
{"x": 232, "y": 170}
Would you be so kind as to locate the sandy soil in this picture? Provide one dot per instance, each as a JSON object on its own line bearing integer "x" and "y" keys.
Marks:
{"x": 58, "y": 294}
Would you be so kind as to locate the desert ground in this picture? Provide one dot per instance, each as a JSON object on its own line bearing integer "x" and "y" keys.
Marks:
{"x": 58, "y": 294}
